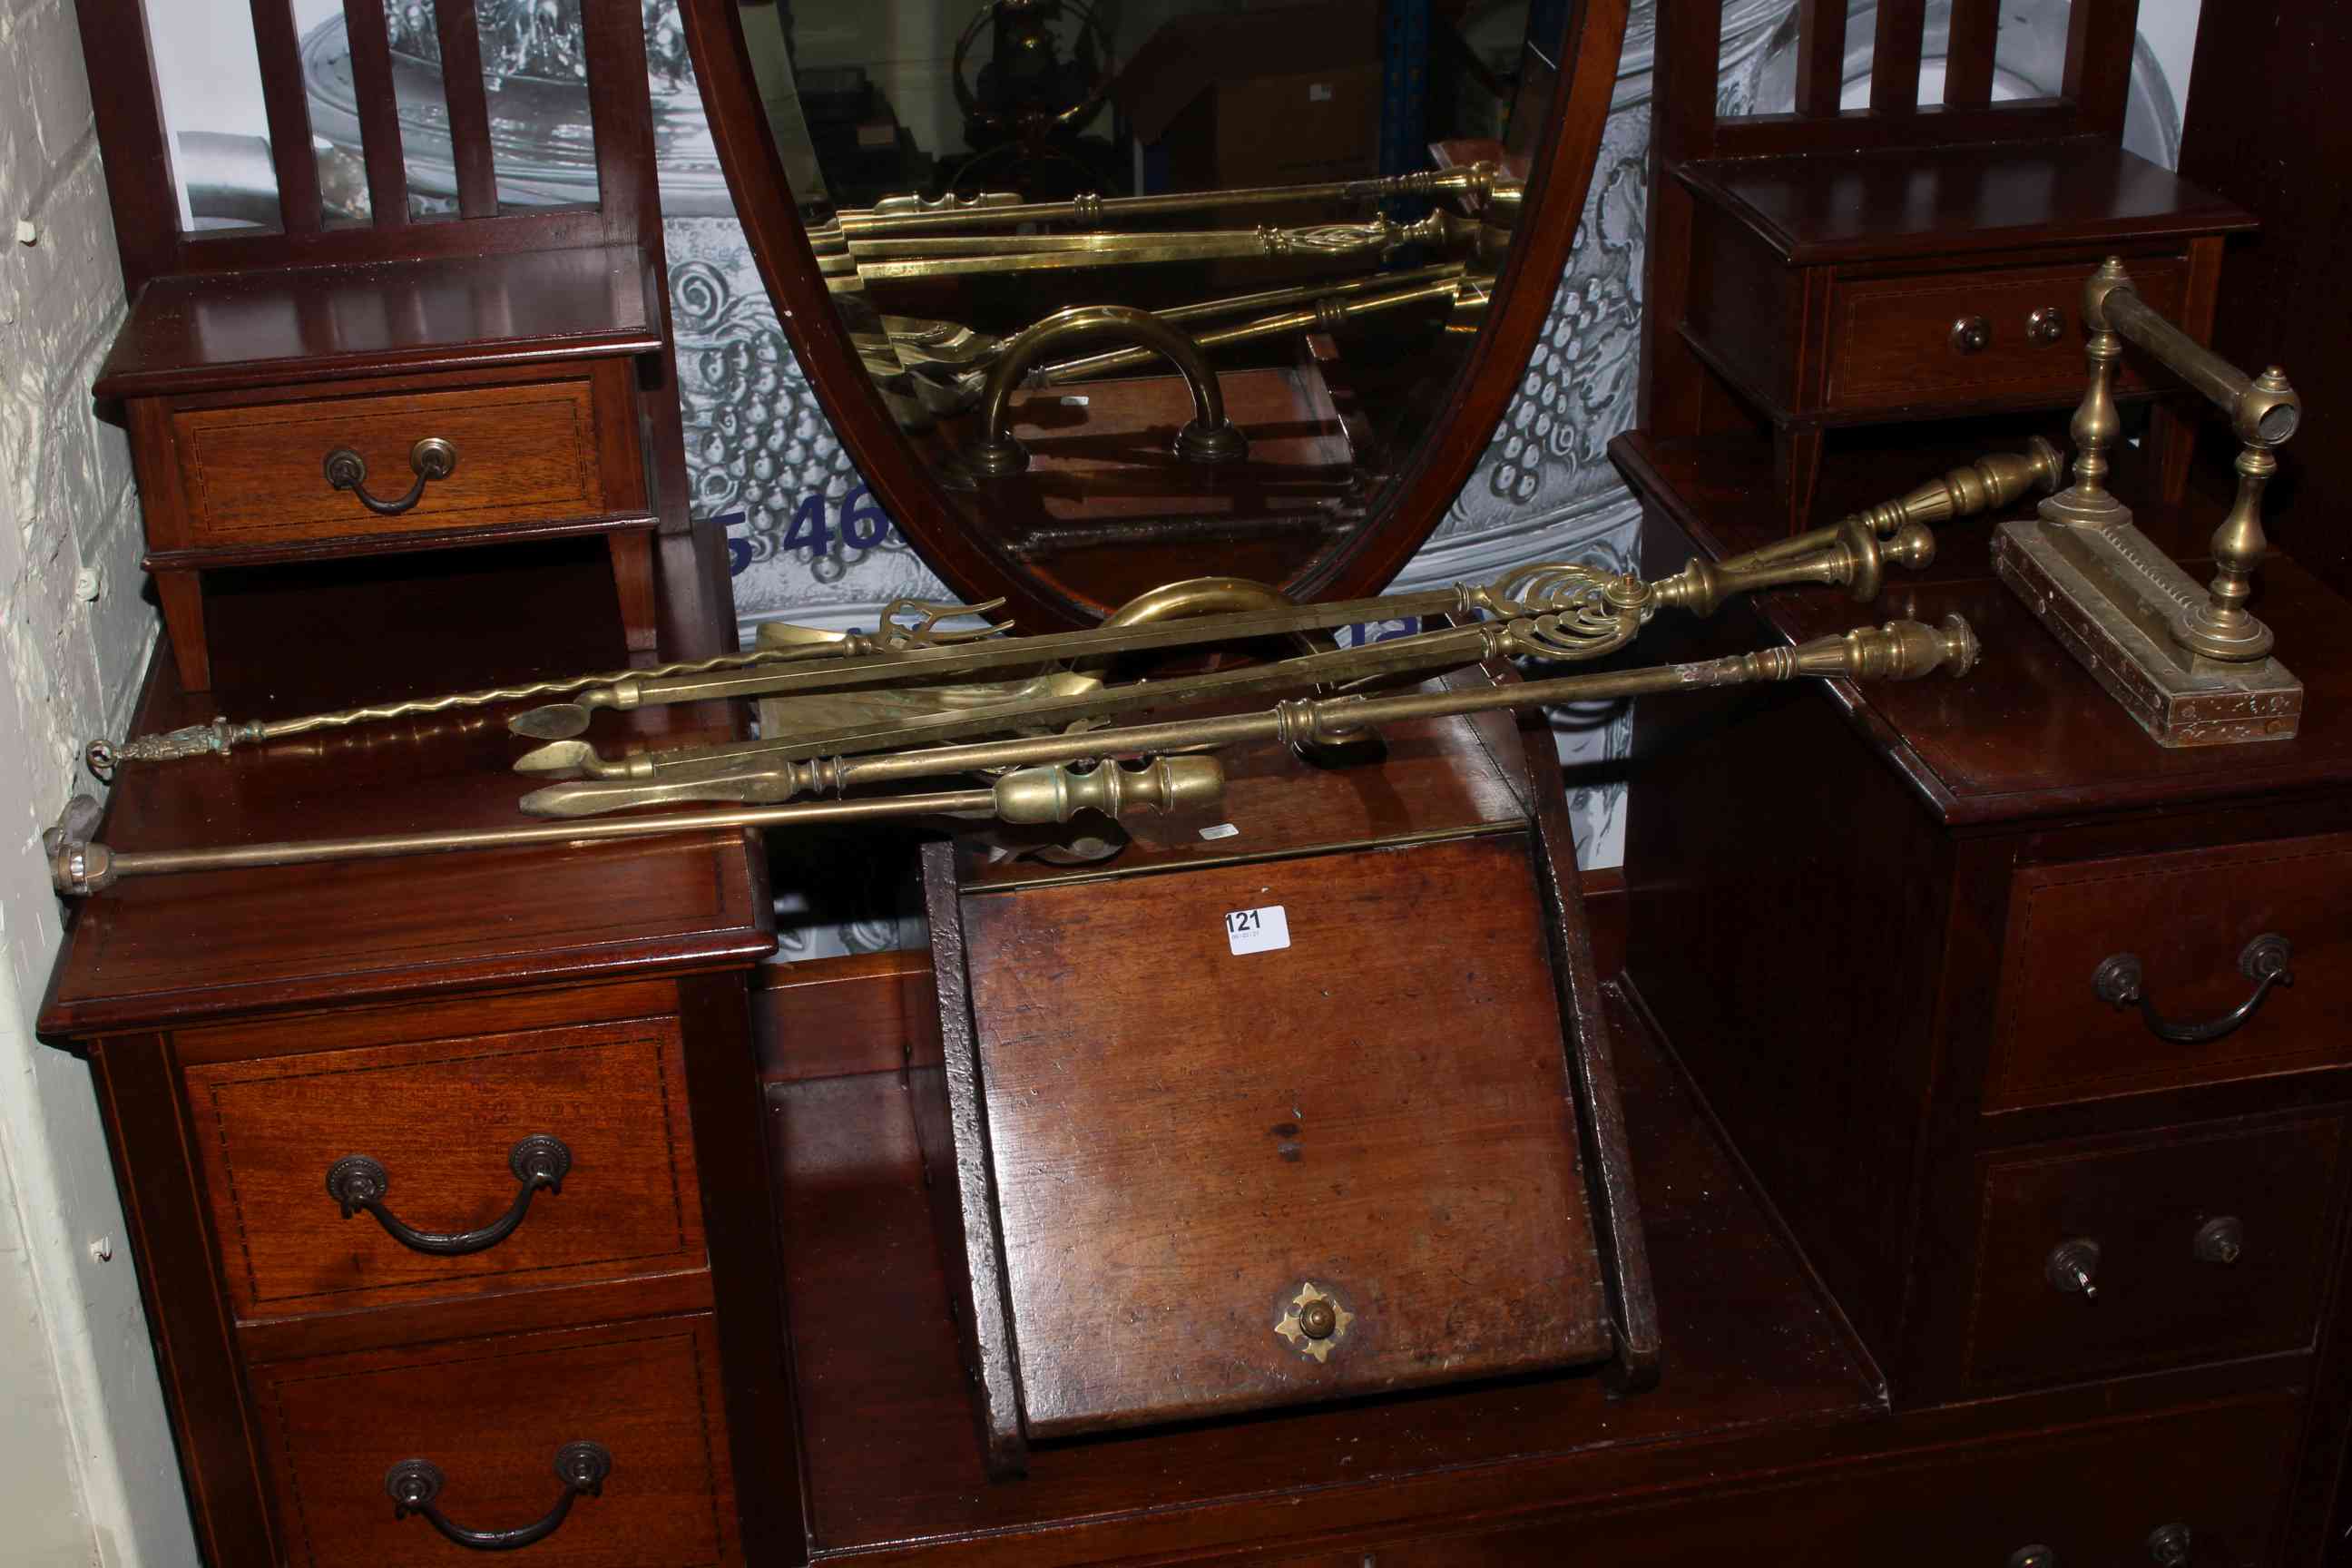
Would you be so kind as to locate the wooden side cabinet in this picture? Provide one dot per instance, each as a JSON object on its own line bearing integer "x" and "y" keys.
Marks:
{"x": 1832, "y": 292}
{"x": 443, "y": 1176}
{"x": 308, "y": 414}
{"x": 1892, "y": 964}
{"x": 393, "y": 369}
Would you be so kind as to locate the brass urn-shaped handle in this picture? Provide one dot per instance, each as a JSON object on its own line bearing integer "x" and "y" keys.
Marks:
{"x": 431, "y": 459}
{"x": 1210, "y": 437}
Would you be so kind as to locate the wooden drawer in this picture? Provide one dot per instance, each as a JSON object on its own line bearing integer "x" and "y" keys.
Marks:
{"x": 442, "y": 1118}
{"x": 490, "y": 1416}
{"x": 2146, "y": 1206}
{"x": 2090, "y": 1495}
{"x": 532, "y": 448}
{"x": 2187, "y": 918}
{"x": 1891, "y": 340}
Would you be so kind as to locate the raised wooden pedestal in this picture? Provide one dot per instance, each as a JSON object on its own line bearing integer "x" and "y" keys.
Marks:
{"x": 1881, "y": 956}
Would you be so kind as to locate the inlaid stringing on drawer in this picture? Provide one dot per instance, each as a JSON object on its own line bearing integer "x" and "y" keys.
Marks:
{"x": 2193, "y": 1245}
{"x": 2186, "y": 921}
{"x": 1894, "y": 341}
{"x": 442, "y": 1122}
{"x": 525, "y": 452}
{"x": 490, "y": 1416}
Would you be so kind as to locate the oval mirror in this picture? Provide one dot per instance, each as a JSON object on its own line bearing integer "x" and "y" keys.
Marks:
{"x": 1102, "y": 294}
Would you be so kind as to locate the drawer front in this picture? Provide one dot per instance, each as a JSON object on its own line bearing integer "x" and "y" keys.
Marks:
{"x": 2186, "y": 920}
{"x": 442, "y": 1121}
{"x": 526, "y": 452}
{"x": 1892, "y": 341}
{"x": 491, "y": 1417}
{"x": 2091, "y": 1494}
{"x": 2196, "y": 1247}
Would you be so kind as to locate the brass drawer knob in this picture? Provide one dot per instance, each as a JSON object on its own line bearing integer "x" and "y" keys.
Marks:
{"x": 431, "y": 459}
{"x": 2267, "y": 960}
{"x": 2045, "y": 326}
{"x": 1971, "y": 334}
{"x": 2170, "y": 1544}
{"x": 359, "y": 1181}
{"x": 413, "y": 1484}
{"x": 2035, "y": 1556}
{"x": 2220, "y": 1240}
{"x": 2072, "y": 1267}
{"x": 1314, "y": 1323}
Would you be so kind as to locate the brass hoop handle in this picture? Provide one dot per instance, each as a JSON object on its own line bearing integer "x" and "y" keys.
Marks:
{"x": 357, "y": 1181}
{"x": 2267, "y": 960}
{"x": 1208, "y": 439}
{"x": 431, "y": 459}
{"x": 415, "y": 1484}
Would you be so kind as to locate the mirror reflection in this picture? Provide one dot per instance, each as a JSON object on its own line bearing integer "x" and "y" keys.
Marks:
{"x": 1156, "y": 287}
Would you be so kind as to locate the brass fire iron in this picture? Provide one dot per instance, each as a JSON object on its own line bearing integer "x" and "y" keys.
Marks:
{"x": 1059, "y": 773}
{"x": 852, "y": 725}
{"x": 2193, "y": 666}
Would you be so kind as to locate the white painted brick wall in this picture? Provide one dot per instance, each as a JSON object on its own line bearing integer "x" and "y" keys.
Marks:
{"x": 87, "y": 1470}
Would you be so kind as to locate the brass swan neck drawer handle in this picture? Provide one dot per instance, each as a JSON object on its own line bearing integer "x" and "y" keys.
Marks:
{"x": 2267, "y": 960}
{"x": 413, "y": 1484}
{"x": 357, "y": 1181}
{"x": 431, "y": 459}
{"x": 1208, "y": 439}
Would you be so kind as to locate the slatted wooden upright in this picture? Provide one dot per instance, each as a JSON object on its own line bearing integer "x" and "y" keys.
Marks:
{"x": 1784, "y": 246}
{"x": 391, "y": 314}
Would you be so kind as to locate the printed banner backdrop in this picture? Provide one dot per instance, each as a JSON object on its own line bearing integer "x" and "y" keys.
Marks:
{"x": 763, "y": 457}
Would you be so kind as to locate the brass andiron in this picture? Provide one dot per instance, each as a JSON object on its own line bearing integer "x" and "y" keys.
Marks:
{"x": 2194, "y": 669}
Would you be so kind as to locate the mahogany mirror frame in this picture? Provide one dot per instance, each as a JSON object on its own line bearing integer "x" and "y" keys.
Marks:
{"x": 1560, "y": 176}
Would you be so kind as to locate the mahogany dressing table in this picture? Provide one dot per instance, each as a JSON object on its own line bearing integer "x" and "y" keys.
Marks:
{"x": 722, "y": 1325}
